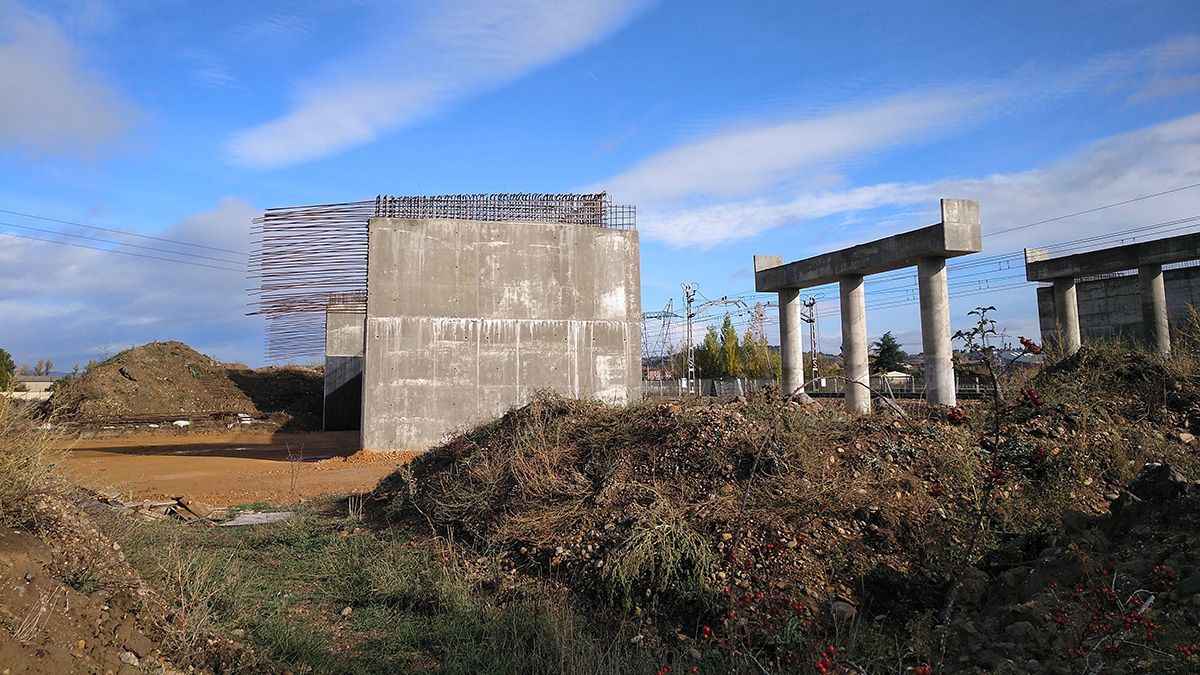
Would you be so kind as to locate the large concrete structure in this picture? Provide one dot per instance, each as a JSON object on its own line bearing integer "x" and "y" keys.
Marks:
{"x": 1147, "y": 258}
{"x": 465, "y": 318}
{"x": 957, "y": 234}
{"x": 1112, "y": 307}
{"x": 345, "y": 324}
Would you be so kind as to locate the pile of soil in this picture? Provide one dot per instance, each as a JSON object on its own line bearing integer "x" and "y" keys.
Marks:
{"x": 69, "y": 603}
{"x": 166, "y": 381}
{"x": 743, "y": 526}
{"x": 1115, "y": 594}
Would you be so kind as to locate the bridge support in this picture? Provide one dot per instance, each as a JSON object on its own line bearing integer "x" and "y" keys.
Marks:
{"x": 854, "y": 343}
{"x": 1154, "y": 308}
{"x": 1066, "y": 315}
{"x": 957, "y": 234}
{"x": 935, "y": 331}
{"x": 791, "y": 342}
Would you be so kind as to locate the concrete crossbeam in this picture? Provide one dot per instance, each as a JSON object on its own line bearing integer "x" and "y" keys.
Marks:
{"x": 957, "y": 234}
{"x": 1039, "y": 267}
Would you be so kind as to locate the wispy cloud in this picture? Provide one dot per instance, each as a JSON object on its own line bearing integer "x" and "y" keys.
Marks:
{"x": 744, "y": 160}
{"x": 421, "y": 64}
{"x": 51, "y": 100}
{"x": 1141, "y": 162}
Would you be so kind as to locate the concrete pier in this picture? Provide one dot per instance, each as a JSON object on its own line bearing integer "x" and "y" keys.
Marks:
{"x": 1067, "y": 315}
{"x": 1154, "y": 308}
{"x": 935, "y": 331}
{"x": 791, "y": 341}
{"x": 957, "y": 234}
{"x": 854, "y": 343}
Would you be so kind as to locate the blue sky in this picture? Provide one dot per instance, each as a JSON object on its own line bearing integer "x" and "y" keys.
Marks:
{"x": 771, "y": 127}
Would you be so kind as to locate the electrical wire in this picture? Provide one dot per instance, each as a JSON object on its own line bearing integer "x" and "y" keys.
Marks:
{"x": 124, "y": 232}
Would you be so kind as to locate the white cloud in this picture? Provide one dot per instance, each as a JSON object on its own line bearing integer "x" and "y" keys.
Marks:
{"x": 63, "y": 299}
{"x": 1141, "y": 162}
{"x": 745, "y": 160}
{"x": 52, "y": 102}
{"x": 423, "y": 64}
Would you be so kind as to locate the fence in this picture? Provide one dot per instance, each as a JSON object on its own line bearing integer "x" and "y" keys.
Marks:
{"x": 898, "y": 387}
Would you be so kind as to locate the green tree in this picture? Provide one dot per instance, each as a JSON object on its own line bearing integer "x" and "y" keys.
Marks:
{"x": 708, "y": 355}
{"x": 888, "y": 355}
{"x": 731, "y": 362}
{"x": 755, "y": 356}
{"x": 8, "y": 378}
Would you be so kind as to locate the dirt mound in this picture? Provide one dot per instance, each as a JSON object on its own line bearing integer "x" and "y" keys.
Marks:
{"x": 765, "y": 527}
{"x": 166, "y": 381}
{"x": 70, "y": 603}
{"x": 1115, "y": 594}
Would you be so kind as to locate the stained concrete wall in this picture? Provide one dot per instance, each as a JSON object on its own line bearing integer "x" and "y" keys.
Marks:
{"x": 344, "y": 343}
{"x": 468, "y": 318}
{"x": 1113, "y": 307}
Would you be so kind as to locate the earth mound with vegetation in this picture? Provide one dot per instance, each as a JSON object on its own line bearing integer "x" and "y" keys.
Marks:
{"x": 785, "y": 537}
{"x": 167, "y": 381}
{"x": 70, "y": 602}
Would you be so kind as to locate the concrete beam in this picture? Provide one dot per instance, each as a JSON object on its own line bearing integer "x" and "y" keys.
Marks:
{"x": 958, "y": 234}
{"x": 1039, "y": 267}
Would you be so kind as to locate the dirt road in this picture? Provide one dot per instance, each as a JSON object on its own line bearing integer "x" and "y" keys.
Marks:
{"x": 229, "y": 468}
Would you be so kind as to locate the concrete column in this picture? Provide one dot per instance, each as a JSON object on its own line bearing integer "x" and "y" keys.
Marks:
{"x": 854, "y": 343}
{"x": 791, "y": 343}
{"x": 935, "y": 331}
{"x": 1066, "y": 314}
{"x": 1154, "y": 308}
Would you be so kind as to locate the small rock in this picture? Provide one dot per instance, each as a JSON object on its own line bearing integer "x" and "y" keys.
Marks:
{"x": 129, "y": 658}
{"x": 1186, "y": 437}
{"x": 80, "y": 644}
{"x": 181, "y": 423}
{"x": 1189, "y": 585}
{"x": 842, "y": 611}
{"x": 238, "y": 632}
{"x": 346, "y": 611}
{"x": 1020, "y": 630}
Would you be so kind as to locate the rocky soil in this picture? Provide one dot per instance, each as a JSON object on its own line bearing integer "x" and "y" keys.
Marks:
{"x": 767, "y": 529}
{"x": 69, "y": 603}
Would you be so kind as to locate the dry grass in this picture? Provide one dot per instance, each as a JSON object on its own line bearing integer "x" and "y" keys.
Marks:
{"x": 27, "y": 461}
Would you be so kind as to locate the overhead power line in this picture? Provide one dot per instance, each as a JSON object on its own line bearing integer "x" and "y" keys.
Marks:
{"x": 130, "y": 253}
{"x": 1093, "y": 210}
{"x": 119, "y": 243}
{"x": 127, "y": 233}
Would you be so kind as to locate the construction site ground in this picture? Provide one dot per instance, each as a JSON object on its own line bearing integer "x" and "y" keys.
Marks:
{"x": 227, "y": 468}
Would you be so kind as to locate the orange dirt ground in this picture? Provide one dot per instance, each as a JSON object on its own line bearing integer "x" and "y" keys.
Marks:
{"x": 228, "y": 468}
